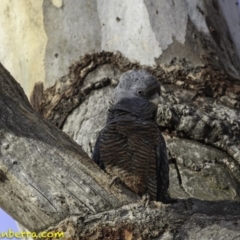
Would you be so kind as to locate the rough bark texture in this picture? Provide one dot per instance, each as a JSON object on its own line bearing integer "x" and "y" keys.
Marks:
{"x": 192, "y": 48}
{"x": 199, "y": 105}
{"x": 191, "y": 219}
{"x": 44, "y": 175}
{"x": 199, "y": 116}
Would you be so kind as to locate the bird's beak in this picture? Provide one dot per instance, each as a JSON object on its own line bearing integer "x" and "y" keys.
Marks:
{"x": 155, "y": 99}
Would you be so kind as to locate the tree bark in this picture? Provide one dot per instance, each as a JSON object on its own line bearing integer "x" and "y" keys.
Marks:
{"x": 48, "y": 180}
{"x": 45, "y": 176}
{"x": 187, "y": 219}
{"x": 199, "y": 104}
{"x": 49, "y": 183}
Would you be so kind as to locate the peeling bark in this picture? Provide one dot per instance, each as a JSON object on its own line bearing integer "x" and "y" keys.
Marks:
{"x": 49, "y": 183}
{"x": 203, "y": 81}
{"x": 183, "y": 220}
{"x": 198, "y": 103}
{"x": 199, "y": 117}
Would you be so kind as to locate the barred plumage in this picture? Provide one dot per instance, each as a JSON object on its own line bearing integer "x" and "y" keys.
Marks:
{"x": 131, "y": 145}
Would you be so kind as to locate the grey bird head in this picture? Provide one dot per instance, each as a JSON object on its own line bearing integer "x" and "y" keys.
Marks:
{"x": 137, "y": 92}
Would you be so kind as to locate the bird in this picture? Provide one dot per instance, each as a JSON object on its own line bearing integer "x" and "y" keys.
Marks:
{"x": 131, "y": 146}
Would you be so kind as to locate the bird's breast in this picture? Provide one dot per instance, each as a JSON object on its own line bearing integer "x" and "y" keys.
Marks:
{"x": 128, "y": 150}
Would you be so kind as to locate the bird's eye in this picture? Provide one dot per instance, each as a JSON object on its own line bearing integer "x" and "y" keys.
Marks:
{"x": 140, "y": 92}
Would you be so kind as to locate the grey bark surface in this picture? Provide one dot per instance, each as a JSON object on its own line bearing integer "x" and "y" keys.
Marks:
{"x": 44, "y": 175}
{"x": 188, "y": 219}
{"x": 49, "y": 183}
{"x": 198, "y": 115}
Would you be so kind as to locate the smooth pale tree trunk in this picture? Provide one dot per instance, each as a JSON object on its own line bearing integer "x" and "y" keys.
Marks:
{"x": 48, "y": 181}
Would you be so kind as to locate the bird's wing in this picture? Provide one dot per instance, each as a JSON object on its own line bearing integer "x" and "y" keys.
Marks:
{"x": 96, "y": 153}
{"x": 128, "y": 150}
{"x": 162, "y": 170}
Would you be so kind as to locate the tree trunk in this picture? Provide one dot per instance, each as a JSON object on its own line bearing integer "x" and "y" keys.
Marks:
{"x": 191, "y": 47}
